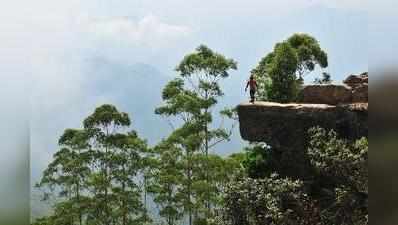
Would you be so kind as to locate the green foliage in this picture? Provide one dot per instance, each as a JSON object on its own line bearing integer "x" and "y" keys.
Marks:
{"x": 337, "y": 193}
{"x": 206, "y": 61}
{"x": 326, "y": 79}
{"x": 94, "y": 174}
{"x": 43, "y": 221}
{"x": 179, "y": 180}
{"x": 345, "y": 167}
{"x": 309, "y": 53}
{"x": 166, "y": 182}
{"x": 271, "y": 200}
{"x": 278, "y": 72}
{"x": 256, "y": 161}
{"x": 191, "y": 98}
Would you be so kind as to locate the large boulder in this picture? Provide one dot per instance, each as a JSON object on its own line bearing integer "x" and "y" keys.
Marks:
{"x": 359, "y": 86}
{"x": 354, "y": 81}
{"x": 354, "y": 90}
{"x": 326, "y": 94}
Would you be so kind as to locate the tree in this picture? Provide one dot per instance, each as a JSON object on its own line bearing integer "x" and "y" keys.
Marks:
{"x": 326, "y": 79}
{"x": 183, "y": 104}
{"x": 280, "y": 71}
{"x": 67, "y": 176}
{"x": 221, "y": 171}
{"x": 147, "y": 173}
{"x": 166, "y": 182}
{"x": 116, "y": 194}
{"x": 94, "y": 174}
{"x": 257, "y": 161}
{"x": 191, "y": 98}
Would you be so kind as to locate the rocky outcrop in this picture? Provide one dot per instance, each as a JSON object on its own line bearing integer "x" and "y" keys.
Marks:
{"x": 359, "y": 87}
{"x": 326, "y": 94}
{"x": 355, "y": 90}
{"x": 284, "y": 127}
{"x": 356, "y": 80}
{"x": 360, "y": 93}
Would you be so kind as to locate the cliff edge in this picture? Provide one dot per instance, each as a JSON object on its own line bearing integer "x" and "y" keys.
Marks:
{"x": 282, "y": 125}
{"x": 343, "y": 108}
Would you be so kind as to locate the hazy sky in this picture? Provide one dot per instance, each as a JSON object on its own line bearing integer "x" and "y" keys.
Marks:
{"x": 49, "y": 44}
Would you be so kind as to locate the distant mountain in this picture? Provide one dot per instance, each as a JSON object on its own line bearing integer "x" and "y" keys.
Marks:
{"x": 134, "y": 88}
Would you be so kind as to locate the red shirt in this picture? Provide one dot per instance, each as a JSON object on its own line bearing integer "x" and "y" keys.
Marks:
{"x": 252, "y": 84}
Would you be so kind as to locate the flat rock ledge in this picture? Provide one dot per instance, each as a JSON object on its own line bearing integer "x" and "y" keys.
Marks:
{"x": 286, "y": 125}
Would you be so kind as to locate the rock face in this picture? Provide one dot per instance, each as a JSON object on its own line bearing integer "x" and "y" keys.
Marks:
{"x": 285, "y": 126}
{"x": 356, "y": 80}
{"x": 359, "y": 86}
{"x": 355, "y": 90}
{"x": 360, "y": 93}
{"x": 327, "y": 94}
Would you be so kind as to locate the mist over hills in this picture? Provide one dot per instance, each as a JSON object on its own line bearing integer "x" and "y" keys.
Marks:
{"x": 137, "y": 89}
{"x": 134, "y": 88}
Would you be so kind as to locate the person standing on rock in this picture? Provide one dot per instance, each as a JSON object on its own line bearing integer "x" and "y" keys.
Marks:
{"x": 253, "y": 87}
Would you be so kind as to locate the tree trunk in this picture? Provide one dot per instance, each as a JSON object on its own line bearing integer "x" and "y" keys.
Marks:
{"x": 207, "y": 161}
{"x": 124, "y": 201}
{"x": 145, "y": 198}
{"x": 189, "y": 186}
{"x": 78, "y": 201}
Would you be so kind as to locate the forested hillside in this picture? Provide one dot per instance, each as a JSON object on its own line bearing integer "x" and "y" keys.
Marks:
{"x": 301, "y": 167}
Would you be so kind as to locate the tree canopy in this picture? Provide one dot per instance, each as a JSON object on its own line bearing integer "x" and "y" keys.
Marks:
{"x": 281, "y": 71}
{"x": 94, "y": 173}
{"x": 190, "y": 98}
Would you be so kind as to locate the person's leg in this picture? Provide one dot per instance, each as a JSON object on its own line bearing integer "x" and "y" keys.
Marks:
{"x": 252, "y": 92}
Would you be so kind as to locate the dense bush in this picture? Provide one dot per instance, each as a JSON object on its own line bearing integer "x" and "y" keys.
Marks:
{"x": 337, "y": 194}
{"x": 343, "y": 170}
{"x": 271, "y": 200}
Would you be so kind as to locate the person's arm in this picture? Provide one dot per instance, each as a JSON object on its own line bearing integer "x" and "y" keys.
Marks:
{"x": 247, "y": 85}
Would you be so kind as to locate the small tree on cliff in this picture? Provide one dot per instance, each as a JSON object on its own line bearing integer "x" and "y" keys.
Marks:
{"x": 280, "y": 72}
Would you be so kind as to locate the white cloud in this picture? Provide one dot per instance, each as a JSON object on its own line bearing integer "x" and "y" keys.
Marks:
{"x": 149, "y": 31}
{"x": 58, "y": 50}
{"x": 362, "y": 5}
